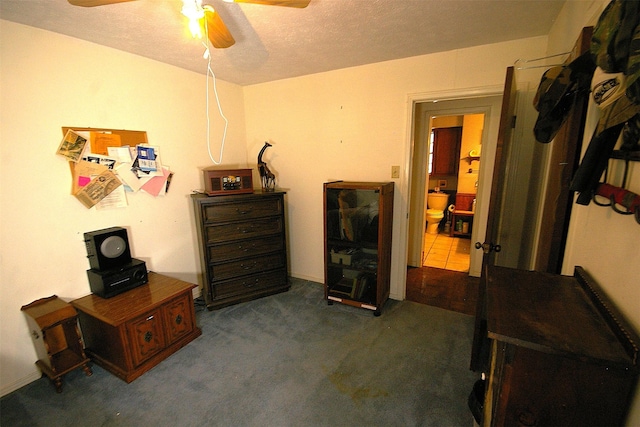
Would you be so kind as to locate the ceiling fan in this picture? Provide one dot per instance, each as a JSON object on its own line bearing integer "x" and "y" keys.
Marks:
{"x": 218, "y": 33}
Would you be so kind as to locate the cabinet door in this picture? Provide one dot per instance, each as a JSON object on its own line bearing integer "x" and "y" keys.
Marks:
{"x": 446, "y": 150}
{"x": 179, "y": 318}
{"x": 146, "y": 336}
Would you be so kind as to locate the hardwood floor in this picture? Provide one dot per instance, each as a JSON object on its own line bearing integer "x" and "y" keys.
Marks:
{"x": 450, "y": 290}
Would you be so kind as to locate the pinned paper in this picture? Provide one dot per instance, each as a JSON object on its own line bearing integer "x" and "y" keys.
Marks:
{"x": 121, "y": 154}
{"x": 157, "y": 184}
{"x": 100, "y": 160}
{"x": 73, "y": 145}
{"x": 128, "y": 177}
{"x": 99, "y": 188}
{"x": 147, "y": 158}
{"x": 82, "y": 172}
{"x": 101, "y": 141}
{"x": 116, "y": 199}
{"x": 107, "y": 163}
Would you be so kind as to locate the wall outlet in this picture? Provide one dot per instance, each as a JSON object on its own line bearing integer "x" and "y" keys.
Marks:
{"x": 395, "y": 171}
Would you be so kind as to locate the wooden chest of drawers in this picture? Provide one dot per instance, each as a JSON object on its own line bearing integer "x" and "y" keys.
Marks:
{"x": 134, "y": 331}
{"x": 242, "y": 243}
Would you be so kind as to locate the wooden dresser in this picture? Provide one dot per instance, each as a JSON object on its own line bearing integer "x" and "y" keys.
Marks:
{"x": 555, "y": 349}
{"x": 134, "y": 331}
{"x": 242, "y": 245}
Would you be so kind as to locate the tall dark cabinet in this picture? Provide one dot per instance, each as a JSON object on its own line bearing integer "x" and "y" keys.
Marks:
{"x": 358, "y": 222}
{"x": 242, "y": 242}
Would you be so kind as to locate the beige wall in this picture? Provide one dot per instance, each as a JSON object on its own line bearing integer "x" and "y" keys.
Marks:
{"x": 48, "y": 81}
{"x": 603, "y": 242}
{"x": 354, "y": 124}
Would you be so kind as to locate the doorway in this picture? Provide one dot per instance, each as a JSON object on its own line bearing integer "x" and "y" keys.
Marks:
{"x": 454, "y": 147}
{"x": 484, "y": 110}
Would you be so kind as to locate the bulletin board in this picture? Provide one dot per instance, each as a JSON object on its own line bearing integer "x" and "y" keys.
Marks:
{"x": 107, "y": 163}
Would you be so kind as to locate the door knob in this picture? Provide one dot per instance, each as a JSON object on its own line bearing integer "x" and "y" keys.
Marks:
{"x": 488, "y": 247}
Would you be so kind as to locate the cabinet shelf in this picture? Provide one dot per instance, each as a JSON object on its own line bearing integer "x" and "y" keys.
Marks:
{"x": 462, "y": 217}
{"x": 372, "y": 269}
{"x": 463, "y": 214}
{"x": 357, "y": 228}
{"x": 350, "y": 244}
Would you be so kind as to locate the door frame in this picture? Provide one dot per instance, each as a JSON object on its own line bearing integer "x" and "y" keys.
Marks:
{"x": 486, "y": 105}
{"x": 486, "y": 166}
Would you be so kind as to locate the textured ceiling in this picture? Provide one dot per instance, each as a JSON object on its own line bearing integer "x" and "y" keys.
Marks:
{"x": 273, "y": 42}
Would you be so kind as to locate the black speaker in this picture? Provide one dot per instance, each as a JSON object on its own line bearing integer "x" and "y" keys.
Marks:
{"x": 107, "y": 248}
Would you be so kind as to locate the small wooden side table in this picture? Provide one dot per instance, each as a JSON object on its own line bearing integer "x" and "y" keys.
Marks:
{"x": 56, "y": 337}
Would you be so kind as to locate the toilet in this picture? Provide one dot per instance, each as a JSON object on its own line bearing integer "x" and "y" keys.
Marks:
{"x": 436, "y": 204}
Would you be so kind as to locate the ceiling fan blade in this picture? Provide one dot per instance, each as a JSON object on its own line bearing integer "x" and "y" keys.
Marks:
{"x": 218, "y": 33}
{"x": 93, "y": 3}
{"x": 288, "y": 3}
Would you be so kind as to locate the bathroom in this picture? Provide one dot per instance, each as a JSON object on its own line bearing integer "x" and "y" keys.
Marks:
{"x": 452, "y": 169}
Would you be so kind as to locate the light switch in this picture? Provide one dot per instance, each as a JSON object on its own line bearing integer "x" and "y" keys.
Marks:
{"x": 395, "y": 171}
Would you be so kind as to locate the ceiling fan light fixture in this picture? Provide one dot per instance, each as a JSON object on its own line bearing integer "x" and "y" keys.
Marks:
{"x": 193, "y": 10}
{"x": 217, "y": 32}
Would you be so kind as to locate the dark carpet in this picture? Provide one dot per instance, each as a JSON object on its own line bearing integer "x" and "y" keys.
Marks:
{"x": 284, "y": 360}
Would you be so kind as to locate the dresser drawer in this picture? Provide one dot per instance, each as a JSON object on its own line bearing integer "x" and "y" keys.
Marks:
{"x": 242, "y": 210}
{"x": 246, "y": 266}
{"x": 246, "y": 248}
{"x": 258, "y": 282}
{"x": 243, "y": 230}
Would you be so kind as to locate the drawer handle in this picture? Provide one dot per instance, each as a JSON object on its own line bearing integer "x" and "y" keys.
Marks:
{"x": 249, "y": 267}
{"x": 243, "y": 212}
{"x": 526, "y": 418}
{"x": 250, "y": 285}
{"x": 178, "y": 319}
{"x": 148, "y": 336}
{"x": 150, "y": 317}
{"x": 245, "y": 230}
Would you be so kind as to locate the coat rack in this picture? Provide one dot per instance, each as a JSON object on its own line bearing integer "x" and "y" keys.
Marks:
{"x": 526, "y": 61}
{"x": 619, "y": 196}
